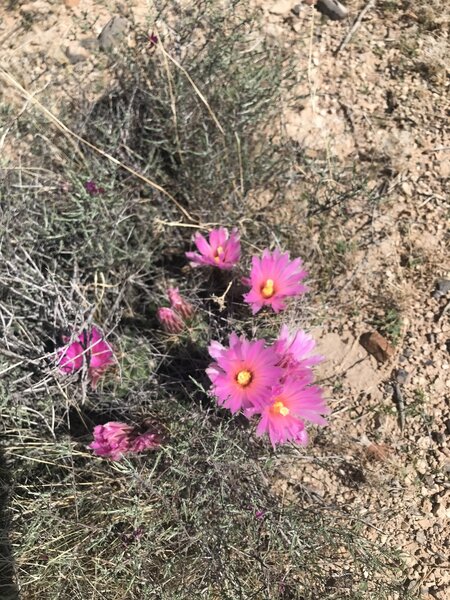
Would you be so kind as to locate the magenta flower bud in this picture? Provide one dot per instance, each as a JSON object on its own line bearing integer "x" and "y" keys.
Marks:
{"x": 170, "y": 321}
{"x": 179, "y": 304}
{"x": 153, "y": 39}
{"x": 89, "y": 350}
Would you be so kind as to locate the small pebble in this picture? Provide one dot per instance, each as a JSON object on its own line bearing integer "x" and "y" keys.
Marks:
{"x": 401, "y": 376}
{"x": 442, "y": 288}
{"x": 113, "y": 32}
{"x": 76, "y": 53}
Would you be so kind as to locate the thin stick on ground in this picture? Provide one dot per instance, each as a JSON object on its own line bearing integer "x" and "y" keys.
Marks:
{"x": 355, "y": 26}
{"x": 398, "y": 396}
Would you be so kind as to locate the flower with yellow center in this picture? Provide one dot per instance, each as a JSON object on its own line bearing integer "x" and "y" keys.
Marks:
{"x": 244, "y": 378}
{"x": 268, "y": 289}
{"x": 278, "y": 408}
{"x": 218, "y": 254}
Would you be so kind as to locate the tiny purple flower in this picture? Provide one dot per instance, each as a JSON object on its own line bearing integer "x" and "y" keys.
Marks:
{"x": 92, "y": 189}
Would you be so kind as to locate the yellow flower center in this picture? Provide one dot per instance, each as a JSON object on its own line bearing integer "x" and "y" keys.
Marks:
{"x": 244, "y": 378}
{"x": 219, "y": 251}
{"x": 268, "y": 289}
{"x": 279, "y": 408}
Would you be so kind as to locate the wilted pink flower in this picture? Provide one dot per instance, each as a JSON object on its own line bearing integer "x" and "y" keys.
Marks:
{"x": 273, "y": 278}
{"x": 295, "y": 352}
{"x": 222, "y": 250}
{"x": 111, "y": 440}
{"x": 170, "y": 320}
{"x": 90, "y": 349}
{"x": 290, "y": 404}
{"x": 115, "y": 439}
{"x": 145, "y": 441}
{"x": 71, "y": 357}
{"x": 243, "y": 373}
{"x": 101, "y": 354}
{"x": 179, "y": 304}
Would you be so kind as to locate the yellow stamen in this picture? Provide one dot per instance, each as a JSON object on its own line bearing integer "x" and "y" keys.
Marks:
{"x": 279, "y": 408}
{"x": 244, "y": 378}
{"x": 219, "y": 251}
{"x": 268, "y": 289}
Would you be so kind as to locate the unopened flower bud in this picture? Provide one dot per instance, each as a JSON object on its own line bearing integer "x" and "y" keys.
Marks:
{"x": 179, "y": 304}
{"x": 170, "y": 320}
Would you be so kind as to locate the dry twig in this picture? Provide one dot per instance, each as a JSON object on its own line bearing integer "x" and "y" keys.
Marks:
{"x": 400, "y": 402}
{"x": 355, "y": 26}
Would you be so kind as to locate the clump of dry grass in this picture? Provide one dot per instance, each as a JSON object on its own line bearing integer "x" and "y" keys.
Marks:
{"x": 182, "y": 523}
{"x": 199, "y": 518}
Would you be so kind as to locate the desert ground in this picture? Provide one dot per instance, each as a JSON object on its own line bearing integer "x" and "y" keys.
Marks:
{"x": 326, "y": 138}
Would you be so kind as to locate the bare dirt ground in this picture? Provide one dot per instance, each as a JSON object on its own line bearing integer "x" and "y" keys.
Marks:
{"x": 380, "y": 106}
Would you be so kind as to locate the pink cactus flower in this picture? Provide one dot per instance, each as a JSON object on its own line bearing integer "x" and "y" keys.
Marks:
{"x": 223, "y": 250}
{"x": 179, "y": 304}
{"x": 290, "y": 405}
{"x": 273, "y": 278}
{"x": 170, "y": 320}
{"x": 243, "y": 373}
{"x": 295, "y": 351}
{"x": 111, "y": 440}
{"x": 89, "y": 349}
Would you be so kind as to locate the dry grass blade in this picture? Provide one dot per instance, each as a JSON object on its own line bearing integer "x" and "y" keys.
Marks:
{"x": 8, "y": 78}
{"x": 192, "y": 82}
